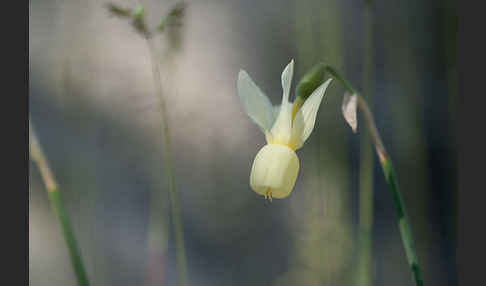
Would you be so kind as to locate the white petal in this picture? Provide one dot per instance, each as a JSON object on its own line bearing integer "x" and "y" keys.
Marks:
{"x": 256, "y": 103}
{"x": 287, "y": 75}
{"x": 276, "y": 111}
{"x": 282, "y": 128}
{"x": 306, "y": 117}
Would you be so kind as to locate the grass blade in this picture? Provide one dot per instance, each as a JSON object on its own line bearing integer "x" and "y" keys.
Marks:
{"x": 55, "y": 200}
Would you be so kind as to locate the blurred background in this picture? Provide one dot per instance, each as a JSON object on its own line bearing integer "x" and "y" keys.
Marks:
{"x": 93, "y": 106}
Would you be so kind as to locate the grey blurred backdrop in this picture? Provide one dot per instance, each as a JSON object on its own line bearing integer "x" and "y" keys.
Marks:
{"x": 93, "y": 105}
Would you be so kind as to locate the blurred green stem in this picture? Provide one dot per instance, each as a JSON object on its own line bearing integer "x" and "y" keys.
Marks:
{"x": 169, "y": 169}
{"x": 365, "y": 271}
{"x": 38, "y": 157}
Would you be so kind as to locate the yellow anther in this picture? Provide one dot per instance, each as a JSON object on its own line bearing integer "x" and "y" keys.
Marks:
{"x": 268, "y": 194}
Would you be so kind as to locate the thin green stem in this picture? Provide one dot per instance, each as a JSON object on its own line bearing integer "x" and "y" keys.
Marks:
{"x": 38, "y": 157}
{"x": 314, "y": 79}
{"x": 365, "y": 271}
{"x": 391, "y": 179}
{"x": 169, "y": 169}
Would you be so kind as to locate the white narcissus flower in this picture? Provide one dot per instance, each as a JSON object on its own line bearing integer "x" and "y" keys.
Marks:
{"x": 276, "y": 165}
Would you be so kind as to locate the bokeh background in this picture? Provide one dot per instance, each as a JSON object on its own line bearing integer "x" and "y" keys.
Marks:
{"x": 93, "y": 106}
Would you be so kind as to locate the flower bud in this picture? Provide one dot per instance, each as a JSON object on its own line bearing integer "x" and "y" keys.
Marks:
{"x": 274, "y": 171}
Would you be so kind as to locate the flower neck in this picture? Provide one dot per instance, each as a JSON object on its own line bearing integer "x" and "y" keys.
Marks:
{"x": 290, "y": 146}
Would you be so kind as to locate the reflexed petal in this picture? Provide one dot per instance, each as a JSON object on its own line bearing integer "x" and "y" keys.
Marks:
{"x": 276, "y": 111}
{"x": 256, "y": 103}
{"x": 287, "y": 75}
{"x": 306, "y": 117}
{"x": 282, "y": 128}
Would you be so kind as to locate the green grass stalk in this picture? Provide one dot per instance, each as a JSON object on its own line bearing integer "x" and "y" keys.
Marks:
{"x": 156, "y": 227}
{"x": 169, "y": 169}
{"x": 365, "y": 271}
{"x": 38, "y": 157}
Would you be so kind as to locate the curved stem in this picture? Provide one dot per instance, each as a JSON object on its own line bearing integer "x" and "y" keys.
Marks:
{"x": 38, "y": 157}
{"x": 314, "y": 78}
{"x": 169, "y": 169}
{"x": 390, "y": 177}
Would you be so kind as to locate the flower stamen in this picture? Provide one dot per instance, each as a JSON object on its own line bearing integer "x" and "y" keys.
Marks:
{"x": 268, "y": 194}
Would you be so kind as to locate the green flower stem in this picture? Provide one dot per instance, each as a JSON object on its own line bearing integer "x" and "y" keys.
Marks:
{"x": 312, "y": 80}
{"x": 169, "y": 169}
{"x": 391, "y": 179}
{"x": 52, "y": 188}
{"x": 315, "y": 77}
{"x": 365, "y": 271}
